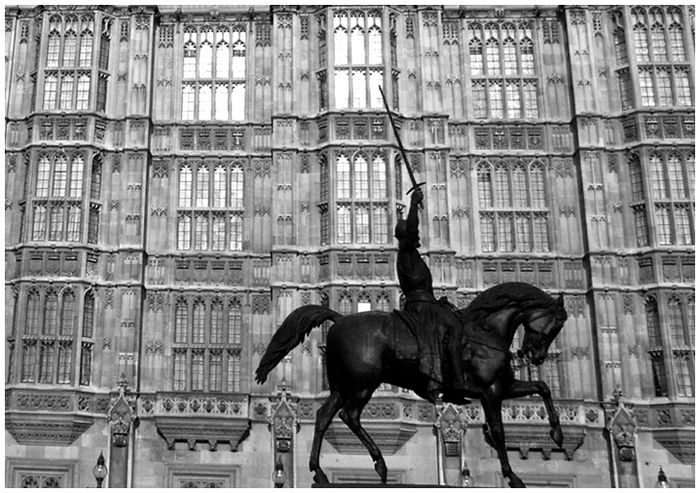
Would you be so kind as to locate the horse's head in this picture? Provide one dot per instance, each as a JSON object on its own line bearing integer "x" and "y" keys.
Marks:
{"x": 542, "y": 324}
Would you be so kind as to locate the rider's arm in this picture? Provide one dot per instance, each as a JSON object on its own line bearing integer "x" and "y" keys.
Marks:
{"x": 412, "y": 219}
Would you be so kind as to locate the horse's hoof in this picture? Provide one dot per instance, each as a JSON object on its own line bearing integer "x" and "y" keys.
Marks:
{"x": 516, "y": 483}
{"x": 557, "y": 435}
{"x": 321, "y": 478}
{"x": 381, "y": 469}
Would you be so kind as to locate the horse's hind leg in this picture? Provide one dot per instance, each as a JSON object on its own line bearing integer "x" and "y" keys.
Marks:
{"x": 324, "y": 416}
{"x": 521, "y": 388}
{"x": 350, "y": 414}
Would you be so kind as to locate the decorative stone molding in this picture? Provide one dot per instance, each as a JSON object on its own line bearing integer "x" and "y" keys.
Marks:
{"x": 46, "y": 429}
{"x": 283, "y": 424}
{"x": 680, "y": 442}
{"x": 194, "y": 419}
{"x": 623, "y": 430}
{"x": 525, "y": 439}
{"x": 122, "y": 415}
{"x": 389, "y": 437}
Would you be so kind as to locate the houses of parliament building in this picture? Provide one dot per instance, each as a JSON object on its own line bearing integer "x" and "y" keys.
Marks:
{"x": 179, "y": 178}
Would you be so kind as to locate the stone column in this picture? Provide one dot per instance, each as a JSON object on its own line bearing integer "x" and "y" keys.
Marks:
{"x": 450, "y": 428}
{"x": 121, "y": 416}
{"x": 283, "y": 424}
{"x": 622, "y": 431}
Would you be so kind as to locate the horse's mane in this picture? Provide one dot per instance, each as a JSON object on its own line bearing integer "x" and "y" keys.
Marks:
{"x": 503, "y": 295}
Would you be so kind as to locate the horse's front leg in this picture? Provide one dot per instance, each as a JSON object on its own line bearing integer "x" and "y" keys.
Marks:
{"x": 521, "y": 388}
{"x": 491, "y": 402}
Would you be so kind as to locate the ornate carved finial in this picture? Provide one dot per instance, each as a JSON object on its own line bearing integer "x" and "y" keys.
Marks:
{"x": 123, "y": 385}
{"x": 617, "y": 394}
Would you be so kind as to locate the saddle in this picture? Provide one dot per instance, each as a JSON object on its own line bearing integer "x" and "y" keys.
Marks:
{"x": 405, "y": 341}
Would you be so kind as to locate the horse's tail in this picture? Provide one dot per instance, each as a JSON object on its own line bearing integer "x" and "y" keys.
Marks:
{"x": 291, "y": 333}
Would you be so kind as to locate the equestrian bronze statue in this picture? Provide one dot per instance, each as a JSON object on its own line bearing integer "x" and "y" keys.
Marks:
{"x": 429, "y": 347}
{"x": 367, "y": 349}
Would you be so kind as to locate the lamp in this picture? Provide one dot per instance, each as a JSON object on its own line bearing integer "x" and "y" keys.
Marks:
{"x": 279, "y": 477}
{"x": 100, "y": 470}
{"x": 467, "y": 480}
{"x": 662, "y": 481}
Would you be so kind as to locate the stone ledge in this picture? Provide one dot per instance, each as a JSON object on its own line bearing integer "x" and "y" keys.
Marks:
{"x": 680, "y": 442}
{"x": 389, "y": 437}
{"x": 212, "y": 430}
{"x": 46, "y": 429}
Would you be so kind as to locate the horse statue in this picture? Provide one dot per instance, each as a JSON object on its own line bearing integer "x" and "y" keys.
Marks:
{"x": 367, "y": 349}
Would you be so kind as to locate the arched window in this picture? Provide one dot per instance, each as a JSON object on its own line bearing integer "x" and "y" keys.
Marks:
{"x": 181, "y": 321}
{"x": 340, "y": 39}
{"x": 202, "y": 190}
{"x": 675, "y": 322}
{"x": 60, "y": 174}
{"x": 39, "y": 226}
{"x": 205, "y": 101}
{"x": 677, "y": 45}
{"x": 676, "y": 179}
{"x": 501, "y": 188}
{"x": 527, "y": 57}
{"x": 96, "y": 178}
{"x": 519, "y": 187}
{"x": 70, "y": 44}
{"x": 189, "y": 70}
{"x": 379, "y": 177}
{"x": 198, "y": 322}
{"x": 383, "y": 303}
{"x": 185, "y": 191}
{"x": 68, "y": 314}
{"x": 216, "y": 331}
{"x": 66, "y": 99}
{"x": 188, "y": 100}
{"x": 361, "y": 224}
{"x": 43, "y": 177}
{"x": 344, "y": 224}
{"x": 345, "y": 305}
{"x": 76, "y": 177}
{"x": 537, "y": 185}
{"x": 361, "y": 177}
{"x": 54, "y": 46}
{"x": 238, "y": 58}
{"x": 219, "y": 198}
{"x": 357, "y": 41}
{"x": 50, "y": 92}
{"x": 235, "y": 322}
{"x": 476, "y": 57}
{"x": 653, "y": 325}
{"x": 237, "y": 187}
{"x": 620, "y": 46}
{"x": 510, "y": 61}
{"x": 51, "y": 313}
{"x": 636, "y": 182}
{"x": 483, "y": 177}
{"x": 496, "y": 99}
{"x": 89, "y": 315}
{"x": 641, "y": 44}
{"x": 222, "y": 60}
{"x": 691, "y": 319}
{"x": 85, "y": 49}
{"x": 375, "y": 46}
{"x": 656, "y": 172}
{"x": 184, "y": 232}
{"x": 82, "y": 100}
{"x": 658, "y": 43}
{"x": 343, "y": 177}
{"x": 380, "y": 224}
{"x": 221, "y": 102}
{"x": 492, "y": 57}
{"x": 33, "y": 313}
{"x": 205, "y": 58}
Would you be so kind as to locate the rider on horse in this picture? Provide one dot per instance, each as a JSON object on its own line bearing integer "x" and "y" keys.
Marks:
{"x": 432, "y": 321}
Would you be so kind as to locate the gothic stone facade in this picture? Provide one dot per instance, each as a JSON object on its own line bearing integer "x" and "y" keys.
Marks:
{"x": 179, "y": 179}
